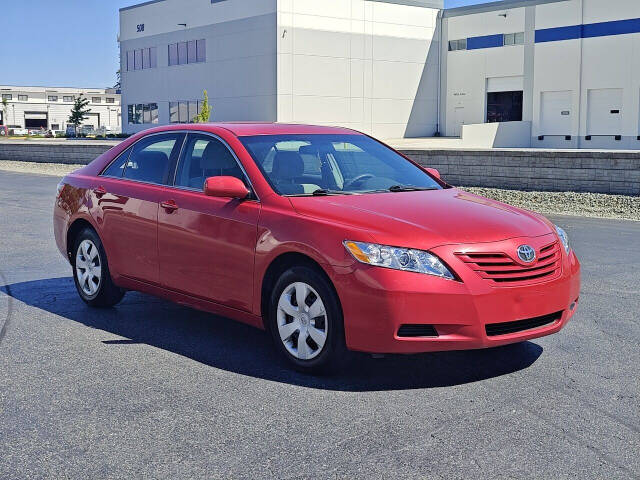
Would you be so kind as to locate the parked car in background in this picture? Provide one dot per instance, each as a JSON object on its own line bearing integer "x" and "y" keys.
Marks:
{"x": 324, "y": 236}
{"x": 71, "y": 131}
{"x": 4, "y": 131}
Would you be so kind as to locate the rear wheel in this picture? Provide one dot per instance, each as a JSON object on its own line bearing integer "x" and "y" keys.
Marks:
{"x": 91, "y": 271}
{"x": 306, "y": 320}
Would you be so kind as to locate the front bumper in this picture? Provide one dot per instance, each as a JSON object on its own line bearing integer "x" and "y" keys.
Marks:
{"x": 377, "y": 301}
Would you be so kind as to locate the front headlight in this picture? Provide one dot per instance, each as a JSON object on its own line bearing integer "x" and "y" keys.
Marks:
{"x": 564, "y": 238}
{"x": 406, "y": 259}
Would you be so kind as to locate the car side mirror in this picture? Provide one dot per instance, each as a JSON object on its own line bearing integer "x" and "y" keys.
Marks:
{"x": 225, "y": 187}
{"x": 433, "y": 171}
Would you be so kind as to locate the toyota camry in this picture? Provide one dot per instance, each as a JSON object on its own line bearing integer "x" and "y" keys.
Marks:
{"x": 324, "y": 237}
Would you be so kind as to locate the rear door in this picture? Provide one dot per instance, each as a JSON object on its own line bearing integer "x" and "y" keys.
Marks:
{"x": 206, "y": 244}
{"x": 128, "y": 196}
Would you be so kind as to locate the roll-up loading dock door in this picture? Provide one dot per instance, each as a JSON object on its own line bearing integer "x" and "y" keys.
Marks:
{"x": 604, "y": 111}
{"x": 556, "y": 113}
{"x": 35, "y": 120}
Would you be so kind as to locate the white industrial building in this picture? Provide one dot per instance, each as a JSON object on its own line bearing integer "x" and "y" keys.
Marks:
{"x": 542, "y": 73}
{"x": 49, "y": 107}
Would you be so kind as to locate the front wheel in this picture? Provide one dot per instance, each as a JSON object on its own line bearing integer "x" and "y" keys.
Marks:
{"x": 306, "y": 320}
{"x": 91, "y": 271}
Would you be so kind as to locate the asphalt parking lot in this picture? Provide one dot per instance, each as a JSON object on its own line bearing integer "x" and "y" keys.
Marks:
{"x": 151, "y": 389}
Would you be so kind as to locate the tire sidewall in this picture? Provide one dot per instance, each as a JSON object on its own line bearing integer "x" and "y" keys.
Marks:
{"x": 333, "y": 347}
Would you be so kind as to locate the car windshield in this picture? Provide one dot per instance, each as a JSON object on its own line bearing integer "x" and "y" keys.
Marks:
{"x": 334, "y": 165}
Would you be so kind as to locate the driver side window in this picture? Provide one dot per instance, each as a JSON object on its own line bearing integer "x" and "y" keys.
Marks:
{"x": 203, "y": 157}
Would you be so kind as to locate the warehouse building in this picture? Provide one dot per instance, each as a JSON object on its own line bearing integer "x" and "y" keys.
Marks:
{"x": 542, "y": 73}
{"x": 48, "y": 108}
{"x": 569, "y": 70}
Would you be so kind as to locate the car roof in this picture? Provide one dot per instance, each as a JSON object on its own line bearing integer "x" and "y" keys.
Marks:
{"x": 245, "y": 129}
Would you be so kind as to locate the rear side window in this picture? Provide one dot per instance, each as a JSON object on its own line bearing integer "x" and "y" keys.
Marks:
{"x": 152, "y": 158}
{"x": 117, "y": 166}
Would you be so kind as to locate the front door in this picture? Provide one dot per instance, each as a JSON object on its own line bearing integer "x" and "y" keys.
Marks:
{"x": 207, "y": 245}
{"x": 128, "y": 195}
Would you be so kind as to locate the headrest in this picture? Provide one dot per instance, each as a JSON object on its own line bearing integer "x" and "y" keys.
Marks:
{"x": 217, "y": 156}
{"x": 287, "y": 165}
{"x": 150, "y": 165}
{"x": 152, "y": 156}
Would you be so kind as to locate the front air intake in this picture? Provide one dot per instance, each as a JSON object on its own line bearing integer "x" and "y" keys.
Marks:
{"x": 417, "y": 330}
{"x": 495, "y": 329}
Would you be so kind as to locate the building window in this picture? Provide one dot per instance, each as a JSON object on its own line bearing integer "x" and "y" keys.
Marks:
{"x": 201, "y": 50}
{"x": 111, "y": 100}
{"x": 458, "y": 45}
{"x": 7, "y": 96}
{"x": 142, "y": 113}
{"x": 138, "y": 60}
{"x": 23, "y": 98}
{"x": 96, "y": 100}
{"x": 173, "y": 54}
{"x": 142, "y": 59}
{"x": 193, "y": 51}
{"x": 55, "y": 126}
{"x": 182, "y": 53}
{"x": 53, "y": 98}
{"x": 68, "y": 99}
{"x": 184, "y": 111}
{"x": 514, "y": 39}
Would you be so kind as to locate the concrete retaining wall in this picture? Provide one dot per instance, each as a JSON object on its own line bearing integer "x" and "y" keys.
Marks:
{"x": 542, "y": 170}
{"x": 615, "y": 172}
{"x": 70, "y": 152}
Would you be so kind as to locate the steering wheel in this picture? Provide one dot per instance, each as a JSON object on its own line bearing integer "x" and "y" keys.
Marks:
{"x": 357, "y": 180}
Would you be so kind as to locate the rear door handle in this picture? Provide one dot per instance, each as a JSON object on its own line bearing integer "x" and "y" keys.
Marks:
{"x": 99, "y": 191}
{"x": 169, "y": 206}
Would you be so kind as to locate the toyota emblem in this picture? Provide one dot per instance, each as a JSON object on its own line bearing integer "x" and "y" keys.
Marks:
{"x": 526, "y": 253}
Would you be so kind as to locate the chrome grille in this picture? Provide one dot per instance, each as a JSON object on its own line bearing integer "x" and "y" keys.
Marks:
{"x": 503, "y": 270}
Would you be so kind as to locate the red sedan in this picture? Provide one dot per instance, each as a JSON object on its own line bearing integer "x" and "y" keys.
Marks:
{"x": 323, "y": 236}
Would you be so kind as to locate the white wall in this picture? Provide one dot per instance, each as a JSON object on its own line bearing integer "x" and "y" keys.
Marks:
{"x": 240, "y": 69}
{"x": 163, "y": 17}
{"x": 372, "y": 66}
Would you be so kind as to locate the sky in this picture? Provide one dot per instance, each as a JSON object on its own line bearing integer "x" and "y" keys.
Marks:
{"x": 69, "y": 42}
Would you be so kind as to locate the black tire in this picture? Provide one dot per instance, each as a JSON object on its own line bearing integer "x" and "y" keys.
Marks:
{"x": 334, "y": 347}
{"x": 107, "y": 293}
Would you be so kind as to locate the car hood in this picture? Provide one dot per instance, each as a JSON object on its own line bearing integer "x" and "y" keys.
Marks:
{"x": 425, "y": 219}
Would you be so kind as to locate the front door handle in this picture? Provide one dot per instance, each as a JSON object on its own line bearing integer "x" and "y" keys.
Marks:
{"x": 169, "y": 206}
{"x": 100, "y": 191}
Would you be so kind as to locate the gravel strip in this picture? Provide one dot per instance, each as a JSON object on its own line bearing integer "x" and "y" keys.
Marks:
{"x": 597, "y": 205}
{"x": 53, "y": 169}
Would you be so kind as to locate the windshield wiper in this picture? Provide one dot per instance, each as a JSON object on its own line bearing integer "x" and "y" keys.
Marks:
{"x": 325, "y": 191}
{"x": 409, "y": 188}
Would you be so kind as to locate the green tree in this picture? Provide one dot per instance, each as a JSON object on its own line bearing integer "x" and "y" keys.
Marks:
{"x": 205, "y": 110}
{"x": 5, "y": 111}
{"x": 79, "y": 112}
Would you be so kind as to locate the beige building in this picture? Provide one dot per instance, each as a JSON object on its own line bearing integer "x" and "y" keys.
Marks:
{"x": 49, "y": 107}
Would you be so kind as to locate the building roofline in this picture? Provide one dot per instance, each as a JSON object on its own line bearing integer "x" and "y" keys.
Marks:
{"x": 494, "y": 6}
{"x": 6, "y": 85}
{"x": 131, "y": 7}
{"x": 415, "y": 3}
